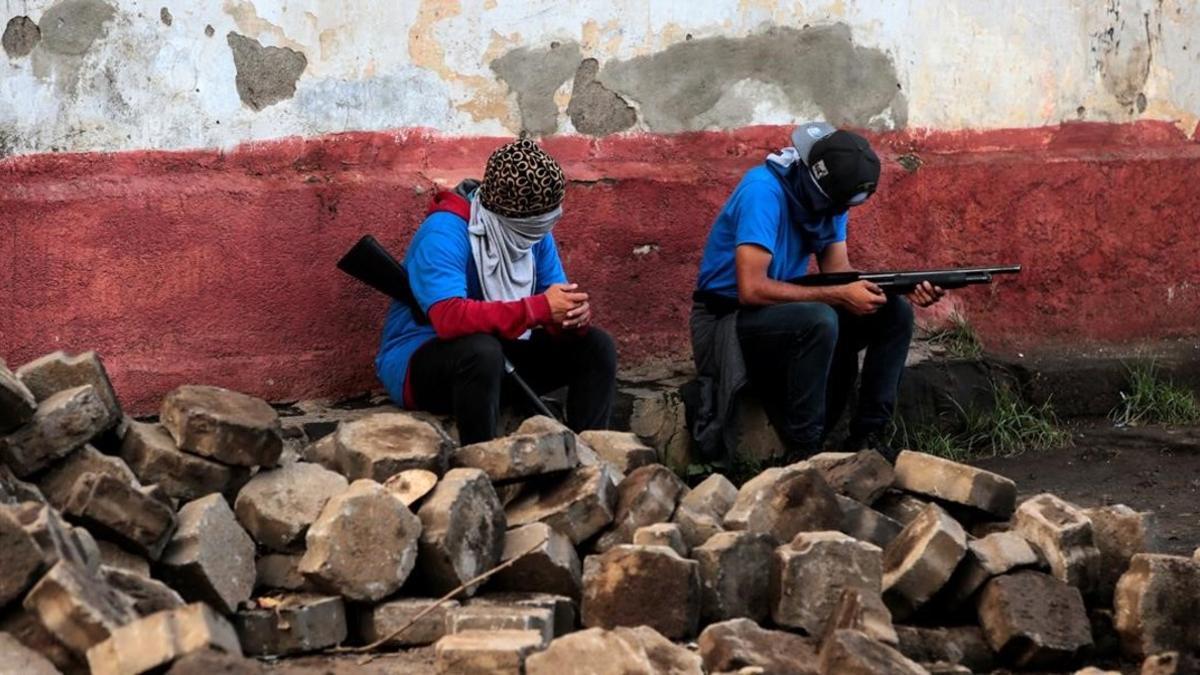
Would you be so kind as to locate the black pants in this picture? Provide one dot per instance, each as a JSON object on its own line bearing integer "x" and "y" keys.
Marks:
{"x": 465, "y": 377}
{"x": 802, "y": 360}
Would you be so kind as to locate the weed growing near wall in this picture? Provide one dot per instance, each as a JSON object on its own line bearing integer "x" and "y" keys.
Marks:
{"x": 1150, "y": 399}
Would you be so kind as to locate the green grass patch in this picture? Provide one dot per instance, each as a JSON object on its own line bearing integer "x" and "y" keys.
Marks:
{"x": 958, "y": 338}
{"x": 1011, "y": 427}
{"x": 1151, "y": 399}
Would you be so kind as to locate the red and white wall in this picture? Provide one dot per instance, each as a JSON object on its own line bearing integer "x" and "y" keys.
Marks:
{"x": 177, "y": 179}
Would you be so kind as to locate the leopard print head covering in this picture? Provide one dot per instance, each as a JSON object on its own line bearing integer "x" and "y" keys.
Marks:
{"x": 521, "y": 180}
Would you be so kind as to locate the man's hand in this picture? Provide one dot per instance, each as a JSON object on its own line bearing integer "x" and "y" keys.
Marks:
{"x": 579, "y": 317}
{"x": 926, "y": 294}
{"x": 564, "y": 298}
{"x": 861, "y": 297}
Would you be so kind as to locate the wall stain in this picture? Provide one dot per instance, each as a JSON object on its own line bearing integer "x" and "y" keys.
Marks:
{"x": 534, "y": 75}
{"x": 70, "y": 27}
{"x": 250, "y": 23}
{"x": 818, "y": 65}
{"x": 265, "y": 75}
{"x": 594, "y": 109}
{"x": 21, "y": 35}
{"x": 164, "y": 15}
{"x": 1123, "y": 49}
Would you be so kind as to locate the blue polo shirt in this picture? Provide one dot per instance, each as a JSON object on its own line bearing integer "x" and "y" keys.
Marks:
{"x": 440, "y": 267}
{"x": 757, "y": 213}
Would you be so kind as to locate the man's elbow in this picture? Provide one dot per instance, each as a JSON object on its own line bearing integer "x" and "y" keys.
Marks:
{"x": 750, "y": 295}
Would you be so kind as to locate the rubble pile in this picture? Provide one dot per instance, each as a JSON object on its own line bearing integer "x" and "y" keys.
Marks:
{"x": 219, "y": 533}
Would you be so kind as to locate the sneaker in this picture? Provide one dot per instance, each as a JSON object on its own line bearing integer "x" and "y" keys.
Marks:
{"x": 871, "y": 441}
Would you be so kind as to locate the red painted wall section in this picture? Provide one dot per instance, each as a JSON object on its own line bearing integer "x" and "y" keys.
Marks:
{"x": 218, "y": 267}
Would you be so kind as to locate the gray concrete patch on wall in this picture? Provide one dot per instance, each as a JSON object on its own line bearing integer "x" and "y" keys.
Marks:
{"x": 21, "y": 35}
{"x": 70, "y": 27}
{"x": 817, "y": 66}
{"x": 534, "y": 74}
{"x": 265, "y": 75}
{"x": 594, "y": 109}
{"x": 164, "y": 15}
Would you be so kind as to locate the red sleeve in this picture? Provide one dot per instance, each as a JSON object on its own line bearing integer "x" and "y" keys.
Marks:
{"x": 457, "y": 317}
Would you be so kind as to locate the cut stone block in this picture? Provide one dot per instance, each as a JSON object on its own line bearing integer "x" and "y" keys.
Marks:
{"x": 210, "y": 661}
{"x": 62, "y": 423}
{"x": 56, "y": 539}
{"x": 77, "y": 606}
{"x": 385, "y": 619}
{"x": 866, "y": 524}
{"x": 279, "y": 571}
{"x": 661, "y": 534}
{"x": 292, "y": 624}
{"x": 965, "y": 645}
{"x": 462, "y": 532}
{"x": 363, "y": 545}
{"x": 621, "y": 650}
{"x": 1064, "y": 536}
{"x": 560, "y": 606}
{"x": 956, "y": 483}
{"x": 900, "y": 506}
{"x": 57, "y": 372}
{"x": 1171, "y": 663}
{"x": 647, "y": 496}
{"x": 1157, "y": 605}
{"x": 1119, "y": 533}
{"x": 21, "y": 559}
{"x": 618, "y": 582}
{"x": 323, "y": 451}
{"x": 1033, "y": 620}
{"x": 486, "y": 652}
{"x": 809, "y": 574}
{"x": 147, "y": 595}
{"x": 159, "y": 639}
{"x": 862, "y": 476}
{"x": 152, "y": 454}
{"x": 862, "y": 611}
{"x": 211, "y": 558}
{"x": 785, "y": 501}
{"x": 701, "y": 511}
{"x": 492, "y": 617}
{"x": 277, "y": 506}
{"x": 519, "y": 456}
{"x": 224, "y": 425}
{"x": 15, "y": 491}
{"x": 734, "y": 580}
{"x": 17, "y": 659}
{"x": 57, "y": 482}
{"x": 578, "y": 505}
{"x": 115, "y": 556}
{"x": 849, "y": 652}
{"x": 620, "y": 448}
{"x": 382, "y": 445}
{"x": 552, "y": 566}
{"x": 411, "y": 485}
{"x": 920, "y": 560}
{"x": 25, "y": 627}
{"x": 987, "y": 557}
{"x": 17, "y": 404}
{"x": 732, "y": 645}
{"x": 121, "y": 512}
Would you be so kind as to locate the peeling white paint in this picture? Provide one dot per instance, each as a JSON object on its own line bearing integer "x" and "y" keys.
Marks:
{"x": 371, "y": 66}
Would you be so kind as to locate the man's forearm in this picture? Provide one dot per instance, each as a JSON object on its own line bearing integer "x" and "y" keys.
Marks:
{"x": 771, "y": 292}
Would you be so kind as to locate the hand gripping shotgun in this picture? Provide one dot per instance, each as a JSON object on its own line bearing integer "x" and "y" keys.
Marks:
{"x": 369, "y": 262}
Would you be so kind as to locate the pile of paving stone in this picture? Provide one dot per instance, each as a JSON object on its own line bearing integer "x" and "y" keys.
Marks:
{"x": 132, "y": 547}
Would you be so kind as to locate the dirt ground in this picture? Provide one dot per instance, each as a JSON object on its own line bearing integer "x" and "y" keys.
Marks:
{"x": 1153, "y": 469}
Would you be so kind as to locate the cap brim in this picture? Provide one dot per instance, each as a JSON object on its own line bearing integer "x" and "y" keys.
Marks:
{"x": 805, "y": 136}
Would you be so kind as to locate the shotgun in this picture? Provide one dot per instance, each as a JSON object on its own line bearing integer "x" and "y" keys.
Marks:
{"x": 901, "y": 283}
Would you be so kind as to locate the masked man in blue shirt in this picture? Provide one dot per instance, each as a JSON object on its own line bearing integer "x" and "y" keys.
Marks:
{"x": 798, "y": 346}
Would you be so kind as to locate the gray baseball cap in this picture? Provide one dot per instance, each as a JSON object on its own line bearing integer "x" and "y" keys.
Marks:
{"x": 805, "y": 136}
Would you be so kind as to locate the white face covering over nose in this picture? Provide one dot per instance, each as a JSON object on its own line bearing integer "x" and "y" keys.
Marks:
{"x": 503, "y": 250}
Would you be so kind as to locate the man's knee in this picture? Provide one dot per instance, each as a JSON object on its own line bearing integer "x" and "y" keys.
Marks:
{"x": 823, "y": 324}
{"x": 600, "y": 349}
{"x": 480, "y": 356}
{"x": 898, "y": 313}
